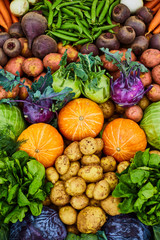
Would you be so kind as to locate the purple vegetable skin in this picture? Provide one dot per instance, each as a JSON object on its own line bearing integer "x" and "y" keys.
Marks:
{"x": 40, "y": 112}
{"x": 46, "y": 226}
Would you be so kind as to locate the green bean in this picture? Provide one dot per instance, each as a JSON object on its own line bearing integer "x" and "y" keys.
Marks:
{"x": 67, "y": 33}
{"x": 59, "y": 21}
{"x": 86, "y": 13}
{"x": 85, "y": 30}
{"x": 103, "y": 28}
{"x": 76, "y": 10}
{"x": 104, "y": 11}
{"x": 82, "y": 7}
{"x": 63, "y": 36}
{"x": 55, "y": 12}
{"x": 93, "y": 11}
{"x": 97, "y": 34}
{"x": 68, "y": 12}
{"x": 71, "y": 26}
{"x": 84, "y": 22}
{"x": 66, "y": 4}
{"x": 82, "y": 41}
{"x": 111, "y": 1}
{"x": 111, "y": 31}
{"x": 112, "y": 6}
{"x": 99, "y": 8}
{"x": 56, "y": 3}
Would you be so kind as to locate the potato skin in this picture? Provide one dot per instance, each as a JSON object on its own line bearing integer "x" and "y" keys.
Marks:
{"x": 75, "y": 186}
{"x": 107, "y": 64}
{"x": 62, "y": 164}
{"x": 101, "y": 190}
{"x": 23, "y": 93}
{"x": 72, "y": 229}
{"x": 122, "y": 166}
{"x": 52, "y": 60}
{"x": 90, "y": 189}
{"x": 90, "y": 160}
{"x": 52, "y": 175}
{"x": 144, "y": 103}
{"x": 154, "y": 94}
{"x": 134, "y": 113}
{"x": 108, "y": 164}
{"x": 73, "y": 151}
{"x": 90, "y": 219}
{"x": 32, "y": 66}
{"x": 110, "y": 205}
{"x": 94, "y": 202}
{"x": 14, "y": 65}
{"x": 112, "y": 179}
{"x": 156, "y": 74}
{"x": 72, "y": 53}
{"x": 107, "y": 108}
{"x": 100, "y": 145}
{"x": 25, "y": 51}
{"x": 88, "y": 146}
{"x": 146, "y": 78}
{"x": 79, "y": 202}
{"x": 91, "y": 173}
{"x": 72, "y": 171}
{"x": 68, "y": 215}
{"x": 58, "y": 195}
{"x": 150, "y": 57}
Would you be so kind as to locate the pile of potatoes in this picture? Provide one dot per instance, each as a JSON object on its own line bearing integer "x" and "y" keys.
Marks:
{"x": 83, "y": 183}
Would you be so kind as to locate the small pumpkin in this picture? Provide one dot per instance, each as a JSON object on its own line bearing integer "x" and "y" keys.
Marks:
{"x": 123, "y": 138}
{"x": 43, "y": 142}
{"x": 80, "y": 118}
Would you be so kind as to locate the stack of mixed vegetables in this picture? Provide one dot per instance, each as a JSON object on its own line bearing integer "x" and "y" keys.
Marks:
{"x": 80, "y": 113}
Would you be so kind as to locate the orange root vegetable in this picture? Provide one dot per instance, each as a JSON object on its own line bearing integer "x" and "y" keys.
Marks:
{"x": 151, "y": 4}
{"x": 52, "y": 60}
{"x": 155, "y": 22}
{"x": 14, "y": 18}
{"x": 25, "y": 51}
{"x": 157, "y": 30}
{"x": 32, "y": 66}
{"x": 14, "y": 65}
{"x": 3, "y": 23}
{"x": 156, "y": 8}
{"x": 23, "y": 93}
{"x": 72, "y": 53}
{"x": 5, "y": 13}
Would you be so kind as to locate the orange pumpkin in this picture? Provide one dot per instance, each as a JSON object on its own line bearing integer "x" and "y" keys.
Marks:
{"x": 80, "y": 118}
{"x": 43, "y": 142}
{"x": 123, "y": 138}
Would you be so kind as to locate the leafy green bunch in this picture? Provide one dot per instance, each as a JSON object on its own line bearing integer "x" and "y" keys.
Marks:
{"x": 139, "y": 188}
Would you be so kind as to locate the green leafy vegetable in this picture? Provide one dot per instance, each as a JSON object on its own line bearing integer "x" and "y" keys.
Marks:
{"x": 100, "y": 235}
{"x": 139, "y": 188}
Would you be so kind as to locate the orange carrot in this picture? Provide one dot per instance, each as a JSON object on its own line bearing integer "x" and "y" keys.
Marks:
{"x": 3, "y": 23}
{"x": 156, "y": 8}
{"x": 5, "y": 13}
{"x": 157, "y": 30}
{"x": 155, "y": 22}
{"x": 14, "y": 18}
{"x": 151, "y": 4}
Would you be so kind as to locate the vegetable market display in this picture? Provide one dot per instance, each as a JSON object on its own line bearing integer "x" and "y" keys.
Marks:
{"x": 79, "y": 110}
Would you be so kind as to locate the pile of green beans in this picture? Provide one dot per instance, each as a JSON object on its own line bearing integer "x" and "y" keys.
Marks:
{"x": 77, "y": 21}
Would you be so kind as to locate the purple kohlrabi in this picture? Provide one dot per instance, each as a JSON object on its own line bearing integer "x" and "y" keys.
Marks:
{"x": 40, "y": 111}
{"x": 128, "y": 91}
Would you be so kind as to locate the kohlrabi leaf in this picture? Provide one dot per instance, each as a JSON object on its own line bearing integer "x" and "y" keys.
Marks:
{"x": 8, "y": 81}
{"x": 63, "y": 61}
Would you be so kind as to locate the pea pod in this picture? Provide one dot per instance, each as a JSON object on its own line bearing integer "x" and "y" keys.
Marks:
{"x": 104, "y": 11}
{"x": 112, "y": 6}
{"x": 108, "y": 19}
{"x": 86, "y": 13}
{"x": 68, "y": 12}
{"x": 93, "y": 11}
{"x": 76, "y": 10}
{"x": 85, "y": 30}
{"x": 82, "y": 7}
{"x": 71, "y": 26}
{"x": 56, "y": 3}
{"x": 66, "y": 4}
{"x": 103, "y": 28}
{"x": 67, "y": 33}
{"x": 63, "y": 36}
{"x": 82, "y": 41}
{"x": 59, "y": 22}
{"x": 84, "y": 22}
{"x": 99, "y": 8}
{"x": 97, "y": 34}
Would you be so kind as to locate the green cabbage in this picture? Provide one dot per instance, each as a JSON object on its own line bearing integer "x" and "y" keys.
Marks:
{"x": 11, "y": 119}
{"x": 151, "y": 124}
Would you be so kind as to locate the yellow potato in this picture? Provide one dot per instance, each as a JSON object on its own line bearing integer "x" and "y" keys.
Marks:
{"x": 101, "y": 190}
{"x": 72, "y": 229}
{"x": 72, "y": 171}
{"x": 75, "y": 186}
{"x": 92, "y": 173}
{"x": 62, "y": 164}
{"x": 52, "y": 175}
{"x": 58, "y": 195}
{"x": 68, "y": 215}
{"x": 90, "y": 219}
{"x": 90, "y": 160}
{"x": 122, "y": 166}
{"x": 90, "y": 189}
{"x": 94, "y": 202}
{"x": 154, "y": 152}
{"x": 107, "y": 108}
{"x": 100, "y": 145}
{"x": 79, "y": 202}
{"x": 112, "y": 179}
{"x": 47, "y": 201}
{"x": 88, "y": 146}
{"x": 108, "y": 164}
{"x": 73, "y": 152}
{"x": 110, "y": 205}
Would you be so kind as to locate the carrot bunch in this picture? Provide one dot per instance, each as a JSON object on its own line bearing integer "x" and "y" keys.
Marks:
{"x": 154, "y": 25}
{"x": 6, "y": 17}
